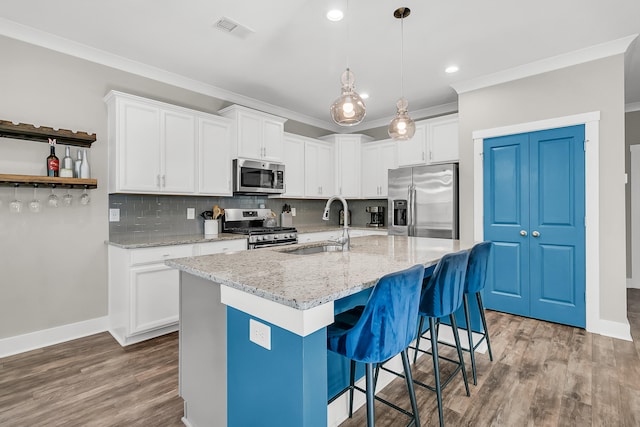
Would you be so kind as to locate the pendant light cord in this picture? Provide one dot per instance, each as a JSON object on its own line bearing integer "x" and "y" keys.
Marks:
{"x": 402, "y": 56}
{"x": 348, "y": 35}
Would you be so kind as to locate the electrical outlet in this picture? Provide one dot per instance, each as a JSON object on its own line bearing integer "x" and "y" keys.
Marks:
{"x": 191, "y": 213}
{"x": 293, "y": 211}
{"x": 114, "y": 215}
{"x": 260, "y": 334}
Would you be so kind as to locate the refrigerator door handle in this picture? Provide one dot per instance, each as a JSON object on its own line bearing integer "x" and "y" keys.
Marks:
{"x": 409, "y": 210}
{"x": 413, "y": 210}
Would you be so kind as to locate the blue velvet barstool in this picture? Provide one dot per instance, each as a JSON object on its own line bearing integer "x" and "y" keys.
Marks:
{"x": 380, "y": 330}
{"x": 474, "y": 284}
{"x": 442, "y": 296}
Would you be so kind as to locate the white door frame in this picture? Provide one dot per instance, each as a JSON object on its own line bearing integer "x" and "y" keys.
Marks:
{"x": 634, "y": 281}
{"x": 592, "y": 196}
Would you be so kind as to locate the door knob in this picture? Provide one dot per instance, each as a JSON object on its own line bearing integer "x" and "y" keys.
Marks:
{"x": 523, "y": 233}
{"x": 535, "y": 234}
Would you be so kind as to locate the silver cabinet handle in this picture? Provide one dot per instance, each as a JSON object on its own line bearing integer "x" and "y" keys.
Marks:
{"x": 158, "y": 181}
{"x": 535, "y": 234}
{"x": 164, "y": 180}
{"x": 523, "y": 233}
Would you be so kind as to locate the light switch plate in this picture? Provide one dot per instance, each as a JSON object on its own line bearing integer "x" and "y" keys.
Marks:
{"x": 260, "y": 334}
{"x": 114, "y": 215}
{"x": 293, "y": 211}
{"x": 191, "y": 213}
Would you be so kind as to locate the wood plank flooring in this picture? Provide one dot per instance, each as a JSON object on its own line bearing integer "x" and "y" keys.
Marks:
{"x": 543, "y": 374}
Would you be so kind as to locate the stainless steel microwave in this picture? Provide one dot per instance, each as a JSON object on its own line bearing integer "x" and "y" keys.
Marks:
{"x": 256, "y": 177}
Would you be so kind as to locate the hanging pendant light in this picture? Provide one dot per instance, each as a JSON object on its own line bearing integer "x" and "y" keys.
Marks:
{"x": 348, "y": 109}
{"x": 402, "y": 127}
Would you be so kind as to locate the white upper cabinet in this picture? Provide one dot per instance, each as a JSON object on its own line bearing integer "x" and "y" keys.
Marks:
{"x": 151, "y": 145}
{"x": 377, "y": 158}
{"x": 293, "y": 158}
{"x": 435, "y": 141}
{"x": 348, "y": 161}
{"x": 257, "y": 135}
{"x": 214, "y": 156}
{"x": 159, "y": 148}
{"x": 413, "y": 151}
{"x": 442, "y": 139}
{"x": 319, "y": 169}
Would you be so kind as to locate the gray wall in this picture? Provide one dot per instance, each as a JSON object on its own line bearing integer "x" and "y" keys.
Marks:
{"x": 593, "y": 86}
{"x": 53, "y": 265}
{"x": 632, "y": 137}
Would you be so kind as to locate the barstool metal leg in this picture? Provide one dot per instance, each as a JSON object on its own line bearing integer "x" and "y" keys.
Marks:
{"x": 472, "y": 352}
{"x": 436, "y": 367}
{"x": 352, "y": 376}
{"x": 484, "y": 324}
{"x": 415, "y": 355}
{"x": 412, "y": 394}
{"x": 456, "y": 337}
{"x": 370, "y": 395}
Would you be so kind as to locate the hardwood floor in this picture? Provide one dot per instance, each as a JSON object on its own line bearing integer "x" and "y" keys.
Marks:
{"x": 543, "y": 374}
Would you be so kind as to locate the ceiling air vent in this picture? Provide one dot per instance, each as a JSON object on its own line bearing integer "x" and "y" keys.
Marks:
{"x": 230, "y": 26}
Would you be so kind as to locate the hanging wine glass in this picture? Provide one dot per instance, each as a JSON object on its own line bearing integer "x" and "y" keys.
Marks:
{"x": 85, "y": 199}
{"x": 67, "y": 199}
{"x": 53, "y": 200}
{"x": 35, "y": 205}
{"x": 16, "y": 204}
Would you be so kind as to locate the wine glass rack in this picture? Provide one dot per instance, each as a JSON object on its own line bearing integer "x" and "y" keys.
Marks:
{"x": 30, "y": 132}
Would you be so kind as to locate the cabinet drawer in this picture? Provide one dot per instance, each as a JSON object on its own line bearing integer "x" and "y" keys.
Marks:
{"x": 150, "y": 255}
{"x": 219, "y": 247}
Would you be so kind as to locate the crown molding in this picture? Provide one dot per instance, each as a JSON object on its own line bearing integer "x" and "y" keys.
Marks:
{"x": 60, "y": 44}
{"x": 576, "y": 57}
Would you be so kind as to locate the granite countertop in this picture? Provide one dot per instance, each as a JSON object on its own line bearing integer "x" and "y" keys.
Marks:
{"x": 134, "y": 241}
{"x": 307, "y": 281}
{"x": 320, "y": 228}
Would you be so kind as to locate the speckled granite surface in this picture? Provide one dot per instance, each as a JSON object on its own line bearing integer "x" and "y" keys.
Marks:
{"x": 306, "y": 281}
{"x": 134, "y": 241}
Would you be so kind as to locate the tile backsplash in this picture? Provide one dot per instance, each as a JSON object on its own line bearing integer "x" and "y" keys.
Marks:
{"x": 167, "y": 215}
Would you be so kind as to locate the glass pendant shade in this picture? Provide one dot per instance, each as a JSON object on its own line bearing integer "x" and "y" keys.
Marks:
{"x": 348, "y": 109}
{"x": 402, "y": 127}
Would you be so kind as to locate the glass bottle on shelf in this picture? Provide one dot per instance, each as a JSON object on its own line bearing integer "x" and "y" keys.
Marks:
{"x": 76, "y": 166}
{"x": 85, "y": 170}
{"x": 53, "y": 163}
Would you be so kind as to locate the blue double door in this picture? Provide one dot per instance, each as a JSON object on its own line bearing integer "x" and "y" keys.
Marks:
{"x": 534, "y": 212}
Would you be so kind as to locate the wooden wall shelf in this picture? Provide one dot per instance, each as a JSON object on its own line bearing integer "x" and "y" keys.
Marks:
{"x": 42, "y": 134}
{"x": 47, "y": 181}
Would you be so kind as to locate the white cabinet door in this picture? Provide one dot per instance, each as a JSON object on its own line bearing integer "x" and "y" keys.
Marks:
{"x": 377, "y": 158}
{"x": 388, "y": 161}
{"x": 178, "y": 151}
{"x": 348, "y": 168}
{"x": 137, "y": 155}
{"x": 293, "y": 158}
{"x": 442, "y": 139}
{"x": 412, "y": 151}
{"x": 154, "y": 297}
{"x": 214, "y": 157}
{"x": 272, "y": 139}
{"x": 319, "y": 169}
{"x": 249, "y": 135}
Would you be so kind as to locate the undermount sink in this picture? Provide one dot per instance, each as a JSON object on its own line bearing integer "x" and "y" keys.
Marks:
{"x": 314, "y": 250}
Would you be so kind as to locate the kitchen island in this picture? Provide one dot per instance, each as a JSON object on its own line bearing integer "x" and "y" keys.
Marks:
{"x": 253, "y": 326}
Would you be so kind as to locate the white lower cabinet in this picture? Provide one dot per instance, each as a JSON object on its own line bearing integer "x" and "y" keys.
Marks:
{"x": 144, "y": 292}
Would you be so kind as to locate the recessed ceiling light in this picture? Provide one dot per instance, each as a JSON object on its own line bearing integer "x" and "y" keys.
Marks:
{"x": 335, "y": 15}
{"x": 451, "y": 69}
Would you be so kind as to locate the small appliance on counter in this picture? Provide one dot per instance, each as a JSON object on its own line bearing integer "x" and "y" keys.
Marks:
{"x": 341, "y": 217}
{"x": 256, "y": 224}
{"x": 377, "y": 216}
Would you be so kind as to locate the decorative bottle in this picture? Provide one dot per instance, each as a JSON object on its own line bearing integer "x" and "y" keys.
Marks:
{"x": 85, "y": 170}
{"x": 76, "y": 165}
{"x": 53, "y": 164}
{"x": 67, "y": 164}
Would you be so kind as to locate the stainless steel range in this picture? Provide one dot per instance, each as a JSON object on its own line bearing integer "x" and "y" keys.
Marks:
{"x": 256, "y": 224}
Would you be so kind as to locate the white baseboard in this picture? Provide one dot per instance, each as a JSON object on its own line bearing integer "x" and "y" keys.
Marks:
{"x": 619, "y": 330}
{"x": 34, "y": 340}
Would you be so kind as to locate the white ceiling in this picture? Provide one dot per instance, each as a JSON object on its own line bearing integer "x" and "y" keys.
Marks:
{"x": 293, "y": 60}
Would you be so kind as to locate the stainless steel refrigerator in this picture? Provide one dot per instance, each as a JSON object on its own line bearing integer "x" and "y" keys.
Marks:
{"x": 423, "y": 201}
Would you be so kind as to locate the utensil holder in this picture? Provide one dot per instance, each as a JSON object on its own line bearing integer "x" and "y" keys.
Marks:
{"x": 211, "y": 228}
